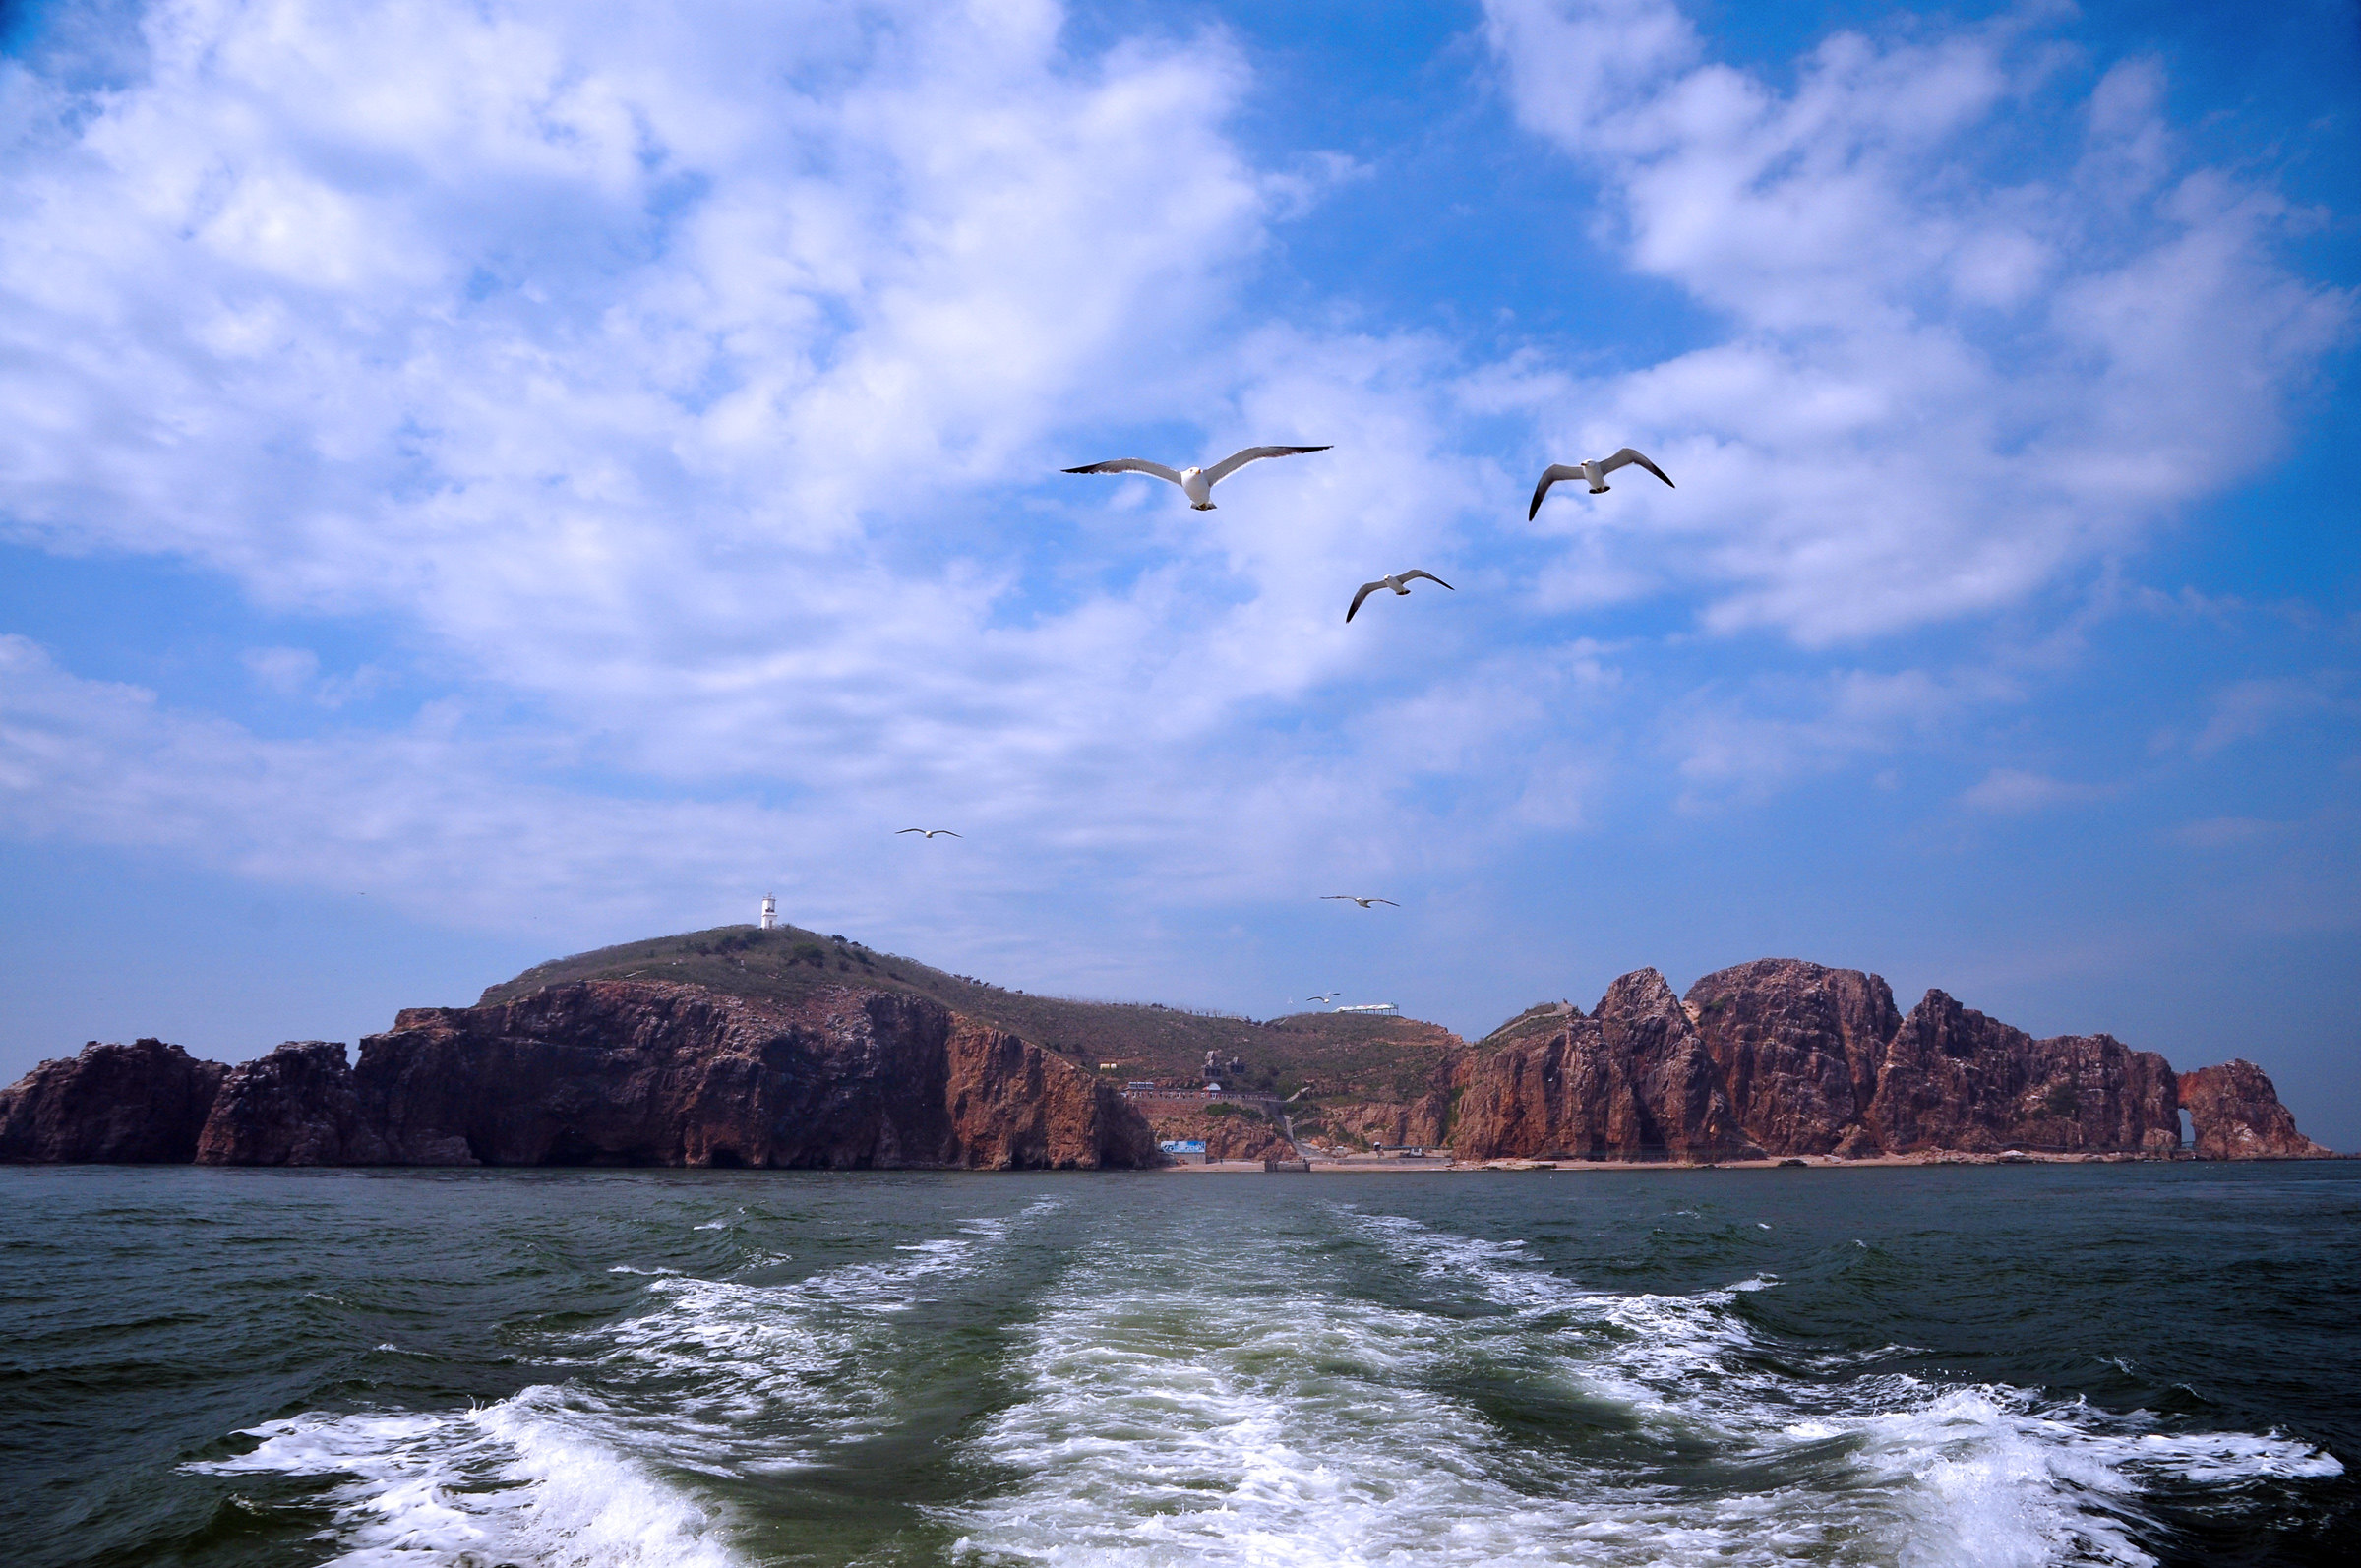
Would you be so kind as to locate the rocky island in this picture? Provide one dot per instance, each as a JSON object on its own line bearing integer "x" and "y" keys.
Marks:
{"x": 786, "y": 1049}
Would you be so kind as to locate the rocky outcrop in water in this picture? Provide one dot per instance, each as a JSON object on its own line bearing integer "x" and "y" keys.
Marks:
{"x": 1788, "y": 1058}
{"x": 617, "y": 1073}
{"x": 2234, "y": 1111}
{"x": 601, "y": 1072}
{"x": 1777, "y": 1057}
{"x": 1631, "y": 1081}
{"x": 139, "y": 1104}
{"x": 1953, "y": 1078}
{"x": 295, "y": 1105}
{"x": 1799, "y": 1047}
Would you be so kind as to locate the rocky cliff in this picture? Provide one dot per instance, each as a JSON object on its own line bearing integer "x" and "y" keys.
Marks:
{"x": 2235, "y": 1112}
{"x": 603, "y": 1073}
{"x": 623, "y": 1072}
{"x": 292, "y": 1106}
{"x": 851, "y": 1061}
{"x": 1799, "y": 1047}
{"x": 1229, "y": 1136}
{"x": 1631, "y": 1081}
{"x": 139, "y": 1104}
{"x": 1953, "y": 1079}
{"x": 1784, "y": 1058}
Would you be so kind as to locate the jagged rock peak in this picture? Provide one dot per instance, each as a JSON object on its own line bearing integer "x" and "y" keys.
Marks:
{"x": 2235, "y": 1112}
{"x": 293, "y": 1106}
{"x": 645, "y": 1072}
{"x": 115, "y": 1103}
{"x": 1799, "y": 1047}
{"x": 1630, "y": 1081}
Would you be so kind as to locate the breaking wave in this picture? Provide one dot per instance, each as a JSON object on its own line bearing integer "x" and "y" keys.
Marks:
{"x": 1188, "y": 1410}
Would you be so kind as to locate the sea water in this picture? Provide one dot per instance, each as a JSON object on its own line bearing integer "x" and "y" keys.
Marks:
{"x": 2088, "y": 1365}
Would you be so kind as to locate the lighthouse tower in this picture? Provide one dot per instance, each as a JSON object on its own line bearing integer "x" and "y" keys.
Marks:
{"x": 770, "y": 912}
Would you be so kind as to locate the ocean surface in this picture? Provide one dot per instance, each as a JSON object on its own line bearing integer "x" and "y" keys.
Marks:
{"x": 2095, "y": 1364}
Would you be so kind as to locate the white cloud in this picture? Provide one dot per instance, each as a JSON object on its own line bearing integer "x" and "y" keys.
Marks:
{"x": 686, "y": 388}
{"x": 288, "y": 672}
{"x": 2015, "y": 791}
{"x": 2245, "y": 709}
{"x": 1947, "y": 381}
{"x": 1750, "y": 739}
{"x": 2222, "y": 832}
{"x": 680, "y": 373}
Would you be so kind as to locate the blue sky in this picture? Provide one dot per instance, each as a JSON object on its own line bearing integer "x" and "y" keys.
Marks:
{"x": 483, "y": 481}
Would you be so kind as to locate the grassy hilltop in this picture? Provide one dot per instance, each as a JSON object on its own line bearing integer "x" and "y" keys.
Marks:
{"x": 1342, "y": 1056}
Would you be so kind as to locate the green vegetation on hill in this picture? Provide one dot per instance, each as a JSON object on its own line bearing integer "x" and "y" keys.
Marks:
{"x": 1339, "y": 1055}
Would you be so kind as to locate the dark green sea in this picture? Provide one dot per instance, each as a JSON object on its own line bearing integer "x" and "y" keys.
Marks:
{"x": 1990, "y": 1366}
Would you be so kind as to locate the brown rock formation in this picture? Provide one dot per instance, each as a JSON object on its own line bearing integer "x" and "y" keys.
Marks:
{"x": 295, "y": 1105}
{"x": 1795, "y": 1059}
{"x": 1798, "y": 1046}
{"x": 139, "y": 1104}
{"x": 1423, "y": 1122}
{"x": 1013, "y": 1105}
{"x": 2235, "y": 1112}
{"x": 1776, "y": 1056}
{"x": 622, "y": 1072}
{"x": 1632, "y": 1081}
{"x": 1953, "y": 1078}
{"x": 1226, "y": 1137}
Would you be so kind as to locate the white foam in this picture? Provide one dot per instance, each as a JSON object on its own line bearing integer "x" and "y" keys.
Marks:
{"x": 808, "y": 1361}
{"x": 596, "y": 1475}
{"x": 1237, "y": 1399}
{"x": 1276, "y": 1417}
{"x": 521, "y": 1480}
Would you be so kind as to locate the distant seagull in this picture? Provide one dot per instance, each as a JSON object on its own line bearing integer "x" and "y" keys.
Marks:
{"x": 1331, "y": 997}
{"x": 1195, "y": 483}
{"x": 1357, "y": 899}
{"x": 929, "y": 831}
{"x": 1399, "y": 582}
{"x": 1595, "y": 471}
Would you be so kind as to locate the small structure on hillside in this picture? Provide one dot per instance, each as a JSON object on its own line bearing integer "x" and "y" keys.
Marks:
{"x": 770, "y": 912}
{"x": 1386, "y": 1008}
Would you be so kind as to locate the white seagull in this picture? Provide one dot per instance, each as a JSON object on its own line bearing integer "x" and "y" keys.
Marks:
{"x": 1195, "y": 483}
{"x": 1331, "y": 997}
{"x": 929, "y": 831}
{"x": 1357, "y": 899}
{"x": 1595, "y": 471}
{"x": 1398, "y": 583}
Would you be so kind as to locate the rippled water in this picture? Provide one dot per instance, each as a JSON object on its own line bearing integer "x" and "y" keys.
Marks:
{"x": 2067, "y": 1364}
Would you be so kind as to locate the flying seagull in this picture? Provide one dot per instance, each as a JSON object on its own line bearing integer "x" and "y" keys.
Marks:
{"x": 1331, "y": 997}
{"x": 1595, "y": 471}
{"x": 1399, "y": 582}
{"x": 1195, "y": 483}
{"x": 1357, "y": 899}
{"x": 929, "y": 831}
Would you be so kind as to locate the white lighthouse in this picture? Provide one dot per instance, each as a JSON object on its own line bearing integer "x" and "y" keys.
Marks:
{"x": 770, "y": 912}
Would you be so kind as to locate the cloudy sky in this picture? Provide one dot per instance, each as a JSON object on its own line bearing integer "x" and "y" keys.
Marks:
{"x": 484, "y": 480}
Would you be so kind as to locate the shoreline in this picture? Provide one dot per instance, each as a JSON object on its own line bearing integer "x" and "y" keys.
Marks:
{"x": 1398, "y": 1165}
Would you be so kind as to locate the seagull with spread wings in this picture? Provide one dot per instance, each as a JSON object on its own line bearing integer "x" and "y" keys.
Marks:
{"x": 928, "y": 831}
{"x": 1195, "y": 483}
{"x": 1357, "y": 899}
{"x": 1398, "y": 583}
{"x": 1594, "y": 471}
{"x": 1331, "y": 997}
